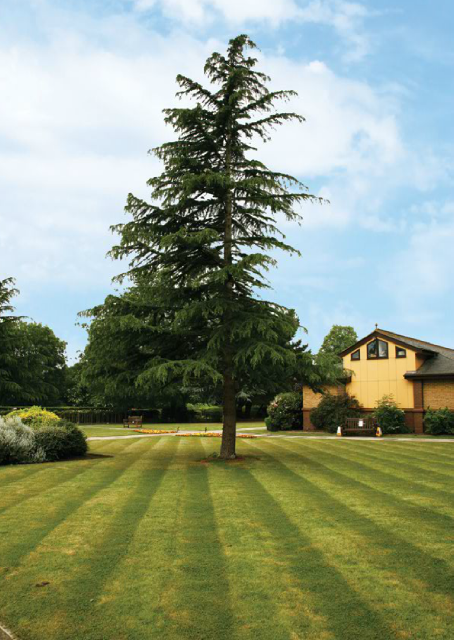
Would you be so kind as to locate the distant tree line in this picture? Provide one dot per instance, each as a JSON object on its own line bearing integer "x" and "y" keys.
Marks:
{"x": 32, "y": 359}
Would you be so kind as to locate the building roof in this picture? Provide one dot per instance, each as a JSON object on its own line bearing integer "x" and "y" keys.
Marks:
{"x": 439, "y": 360}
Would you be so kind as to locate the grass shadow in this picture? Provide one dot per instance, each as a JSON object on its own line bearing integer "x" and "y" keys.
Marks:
{"x": 73, "y": 498}
{"x": 195, "y": 601}
{"x": 412, "y": 562}
{"x": 322, "y": 588}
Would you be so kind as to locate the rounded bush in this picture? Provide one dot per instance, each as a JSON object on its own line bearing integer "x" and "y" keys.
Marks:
{"x": 35, "y": 417}
{"x": 332, "y": 411}
{"x": 389, "y": 417}
{"x": 439, "y": 422}
{"x": 61, "y": 442}
{"x": 285, "y": 412}
{"x": 18, "y": 443}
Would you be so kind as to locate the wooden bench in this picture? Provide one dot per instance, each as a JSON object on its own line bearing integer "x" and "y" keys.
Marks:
{"x": 133, "y": 421}
{"x": 360, "y": 427}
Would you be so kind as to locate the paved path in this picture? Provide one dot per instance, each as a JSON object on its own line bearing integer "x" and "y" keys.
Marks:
{"x": 5, "y": 634}
{"x": 273, "y": 437}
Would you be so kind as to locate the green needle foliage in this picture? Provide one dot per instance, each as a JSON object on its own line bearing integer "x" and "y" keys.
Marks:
{"x": 204, "y": 242}
{"x": 7, "y": 292}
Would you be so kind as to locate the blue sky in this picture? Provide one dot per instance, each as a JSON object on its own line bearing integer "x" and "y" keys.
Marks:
{"x": 82, "y": 87}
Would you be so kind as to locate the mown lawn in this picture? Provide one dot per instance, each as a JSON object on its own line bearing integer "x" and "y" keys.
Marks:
{"x": 101, "y": 430}
{"x": 151, "y": 538}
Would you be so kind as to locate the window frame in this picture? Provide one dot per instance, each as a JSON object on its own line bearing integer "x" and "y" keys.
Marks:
{"x": 401, "y": 349}
{"x": 378, "y": 356}
{"x": 358, "y": 351}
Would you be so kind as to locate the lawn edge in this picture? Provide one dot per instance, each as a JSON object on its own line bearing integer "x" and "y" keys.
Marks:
{"x": 6, "y": 634}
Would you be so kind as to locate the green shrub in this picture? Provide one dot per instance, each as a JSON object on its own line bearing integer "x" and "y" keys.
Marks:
{"x": 439, "y": 421}
{"x": 389, "y": 417}
{"x": 35, "y": 417}
{"x": 61, "y": 442}
{"x": 334, "y": 410}
{"x": 285, "y": 412}
{"x": 204, "y": 412}
{"x": 18, "y": 443}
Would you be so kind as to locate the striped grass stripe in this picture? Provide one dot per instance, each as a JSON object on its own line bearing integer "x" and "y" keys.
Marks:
{"x": 313, "y": 540}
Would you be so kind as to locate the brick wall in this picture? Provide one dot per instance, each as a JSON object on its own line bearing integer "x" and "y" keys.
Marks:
{"x": 312, "y": 399}
{"x": 438, "y": 394}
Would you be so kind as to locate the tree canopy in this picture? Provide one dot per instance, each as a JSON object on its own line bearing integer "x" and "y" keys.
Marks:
{"x": 338, "y": 339}
{"x": 128, "y": 332}
{"x": 203, "y": 244}
{"x": 32, "y": 358}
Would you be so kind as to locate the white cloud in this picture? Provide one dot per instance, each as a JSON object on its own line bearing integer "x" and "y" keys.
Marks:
{"x": 76, "y": 121}
{"x": 234, "y": 11}
{"x": 422, "y": 274}
{"x": 77, "y": 116}
{"x": 346, "y": 18}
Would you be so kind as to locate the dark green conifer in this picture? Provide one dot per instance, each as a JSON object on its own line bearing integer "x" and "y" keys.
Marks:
{"x": 206, "y": 239}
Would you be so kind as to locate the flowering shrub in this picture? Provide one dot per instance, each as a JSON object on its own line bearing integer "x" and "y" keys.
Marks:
{"x": 35, "y": 417}
{"x": 439, "y": 421}
{"x": 285, "y": 412}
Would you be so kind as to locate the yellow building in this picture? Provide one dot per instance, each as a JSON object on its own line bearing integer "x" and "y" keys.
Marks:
{"x": 418, "y": 374}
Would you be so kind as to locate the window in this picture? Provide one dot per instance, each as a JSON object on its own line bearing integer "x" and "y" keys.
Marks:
{"x": 377, "y": 349}
{"x": 356, "y": 355}
{"x": 382, "y": 349}
{"x": 372, "y": 350}
{"x": 401, "y": 353}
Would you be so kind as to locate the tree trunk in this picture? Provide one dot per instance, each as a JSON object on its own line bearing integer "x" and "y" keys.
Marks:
{"x": 229, "y": 426}
{"x": 229, "y": 403}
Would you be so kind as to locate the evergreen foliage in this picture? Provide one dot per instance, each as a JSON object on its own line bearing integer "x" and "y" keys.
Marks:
{"x": 205, "y": 241}
{"x": 332, "y": 411}
{"x": 439, "y": 422}
{"x": 7, "y": 384}
{"x": 128, "y": 333}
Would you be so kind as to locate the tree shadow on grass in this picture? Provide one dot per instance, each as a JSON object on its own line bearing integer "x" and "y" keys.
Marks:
{"x": 195, "y": 601}
{"x": 402, "y": 556}
{"x": 368, "y": 483}
{"x": 322, "y": 588}
{"x": 74, "y": 498}
{"x": 95, "y": 456}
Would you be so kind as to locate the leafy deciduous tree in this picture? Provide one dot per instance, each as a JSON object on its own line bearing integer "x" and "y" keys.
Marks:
{"x": 339, "y": 338}
{"x": 37, "y": 365}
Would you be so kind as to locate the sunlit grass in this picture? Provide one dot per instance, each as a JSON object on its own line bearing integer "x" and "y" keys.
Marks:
{"x": 157, "y": 538}
{"x": 103, "y": 430}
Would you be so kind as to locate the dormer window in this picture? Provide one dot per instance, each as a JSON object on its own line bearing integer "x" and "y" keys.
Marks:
{"x": 356, "y": 355}
{"x": 377, "y": 350}
{"x": 401, "y": 353}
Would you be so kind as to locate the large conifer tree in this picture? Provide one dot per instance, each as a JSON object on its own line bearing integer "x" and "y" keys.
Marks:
{"x": 206, "y": 238}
